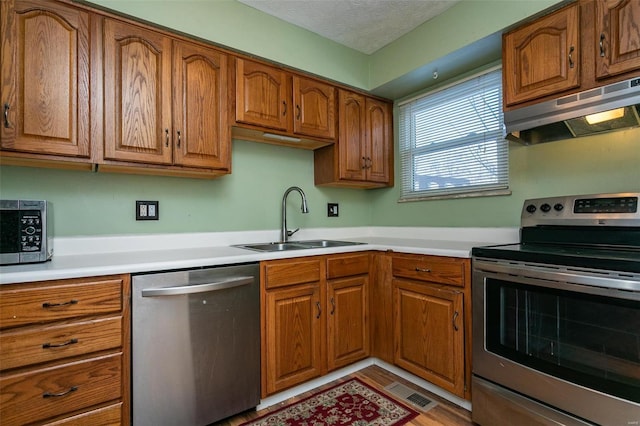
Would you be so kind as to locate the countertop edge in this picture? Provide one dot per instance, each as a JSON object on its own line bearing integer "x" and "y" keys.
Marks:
{"x": 136, "y": 262}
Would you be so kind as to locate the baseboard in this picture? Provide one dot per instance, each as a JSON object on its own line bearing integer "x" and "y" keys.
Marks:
{"x": 338, "y": 374}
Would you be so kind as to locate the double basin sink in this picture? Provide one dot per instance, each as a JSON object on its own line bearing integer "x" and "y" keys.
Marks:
{"x": 297, "y": 245}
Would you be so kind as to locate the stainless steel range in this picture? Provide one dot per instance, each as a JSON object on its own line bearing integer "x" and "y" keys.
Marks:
{"x": 556, "y": 317}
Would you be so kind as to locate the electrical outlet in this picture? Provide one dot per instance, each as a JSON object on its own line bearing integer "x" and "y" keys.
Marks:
{"x": 147, "y": 210}
{"x": 332, "y": 209}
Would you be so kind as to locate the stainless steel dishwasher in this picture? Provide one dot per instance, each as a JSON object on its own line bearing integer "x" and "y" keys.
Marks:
{"x": 195, "y": 345}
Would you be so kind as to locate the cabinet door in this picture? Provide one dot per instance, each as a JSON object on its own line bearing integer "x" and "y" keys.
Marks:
{"x": 45, "y": 78}
{"x": 378, "y": 141}
{"x": 429, "y": 336}
{"x": 293, "y": 336}
{"x": 201, "y": 131}
{"x": 315, "y": 105}
{"x": 137, "y": 94}
{"x": 262, "y": 95}
{"x": 348, "y": 328}
{"x": 542, "y": 58}
{"x": 618, "y": 44}
{"x": 351, "y": 143}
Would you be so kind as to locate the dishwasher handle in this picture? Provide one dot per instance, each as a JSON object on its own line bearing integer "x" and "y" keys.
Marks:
{"x": 198, "y": 288}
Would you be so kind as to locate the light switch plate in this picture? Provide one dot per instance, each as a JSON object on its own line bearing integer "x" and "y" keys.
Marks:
{"x": 147, "y": 210}
{"x": 332, "y": 210}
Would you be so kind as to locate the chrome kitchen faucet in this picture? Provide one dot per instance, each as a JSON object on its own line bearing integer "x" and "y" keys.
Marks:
{"x": 284, "y": 232}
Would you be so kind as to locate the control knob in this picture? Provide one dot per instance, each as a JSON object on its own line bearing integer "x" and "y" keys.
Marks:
{"x": 545, "y": 207}
{"x": 531, "y": 208}
{"x": 558, "y": 207}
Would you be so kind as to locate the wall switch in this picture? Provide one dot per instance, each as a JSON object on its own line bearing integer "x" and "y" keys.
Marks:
{"x": 332, "y": 209}
{"x": 147, "y": 210}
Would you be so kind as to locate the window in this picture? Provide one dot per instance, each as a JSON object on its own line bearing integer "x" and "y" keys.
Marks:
{"x": 452, "y": 140}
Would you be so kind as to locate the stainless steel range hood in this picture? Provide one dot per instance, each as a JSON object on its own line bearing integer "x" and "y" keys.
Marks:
{"x": 573, "y": 115}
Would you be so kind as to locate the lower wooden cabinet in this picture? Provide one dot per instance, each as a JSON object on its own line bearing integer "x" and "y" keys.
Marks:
{"x": 64, "y": 347}
{"x": 347, "y": 309}
{"x": 312, "y": 324}
{"x": 429, "y": 333}
{"x": 432, "y": 319}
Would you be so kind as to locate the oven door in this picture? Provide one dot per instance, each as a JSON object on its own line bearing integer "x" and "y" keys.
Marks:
{"x": 566, "y": 338}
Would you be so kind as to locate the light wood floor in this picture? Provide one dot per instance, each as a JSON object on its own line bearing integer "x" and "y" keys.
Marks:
{"x": 445, "y": 413}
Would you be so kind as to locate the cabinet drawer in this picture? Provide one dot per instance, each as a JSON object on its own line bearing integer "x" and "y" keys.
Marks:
{"x": 26, "y": 304}
{"x": 291, "y": 271}
{"x": 442, "y": 270}
{"x": 25, "y": 347}
{"x": 345, "y": 266}
{"x": 110, "y": 415}
{"x": 42, "y": 394}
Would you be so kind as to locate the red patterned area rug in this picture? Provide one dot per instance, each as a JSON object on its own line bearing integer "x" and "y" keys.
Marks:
{"x": 349, "y": 403}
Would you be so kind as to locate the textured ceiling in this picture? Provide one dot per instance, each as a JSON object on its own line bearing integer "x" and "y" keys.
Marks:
{"x": 364, "y": 25}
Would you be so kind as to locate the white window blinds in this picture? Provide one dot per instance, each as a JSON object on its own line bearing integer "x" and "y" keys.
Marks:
{"x": 452, "y": 140}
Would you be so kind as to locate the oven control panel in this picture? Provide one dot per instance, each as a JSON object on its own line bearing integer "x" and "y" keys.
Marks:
{"x": 621, "y": 209}
{"x": 606, "y": 205}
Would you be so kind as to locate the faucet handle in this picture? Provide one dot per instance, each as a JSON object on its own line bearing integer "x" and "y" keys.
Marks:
{"x": 290, "y": 233}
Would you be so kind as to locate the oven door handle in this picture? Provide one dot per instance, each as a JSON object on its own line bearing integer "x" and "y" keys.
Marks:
{"x": 558, "y": 279}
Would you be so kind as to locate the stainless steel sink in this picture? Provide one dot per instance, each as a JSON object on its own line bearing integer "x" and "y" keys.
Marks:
{"x": 296, "y": 245}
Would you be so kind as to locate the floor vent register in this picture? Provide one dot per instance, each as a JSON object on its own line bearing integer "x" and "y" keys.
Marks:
{"x": 411, "y": 396}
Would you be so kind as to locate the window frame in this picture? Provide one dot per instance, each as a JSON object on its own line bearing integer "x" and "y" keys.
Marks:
{"x": 408, "y": 152}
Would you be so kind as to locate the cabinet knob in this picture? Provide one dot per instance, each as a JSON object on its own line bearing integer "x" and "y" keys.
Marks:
{"x": 455, "y": 316}
{"x": 298, "y": 112}
{"x": 602, "y": 45}
{"x": 423, "y": 270}
{"x": 166, "y": 134}
{"x": 319, "y": 310}
{"x": 284, "y": 108}
{"x": 179, "y": 138}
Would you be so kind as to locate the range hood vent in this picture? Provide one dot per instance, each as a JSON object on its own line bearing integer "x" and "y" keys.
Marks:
{"x": 573, "y": 115}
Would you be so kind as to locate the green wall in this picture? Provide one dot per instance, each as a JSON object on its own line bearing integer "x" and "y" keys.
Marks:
{"x": 250, "y": 198}
{"x": 594, "y": 164}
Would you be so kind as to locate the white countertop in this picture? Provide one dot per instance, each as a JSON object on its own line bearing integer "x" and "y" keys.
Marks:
{"x": 93, "y": 256}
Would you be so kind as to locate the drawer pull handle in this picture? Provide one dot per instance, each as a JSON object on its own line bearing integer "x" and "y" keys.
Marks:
{"x": 55, "y": 395}
{"x": 455, "y": 316}
{"x": 55, "y": 305}
{"x": 59, "y": 345}
{"x": 319, "y": 310}
{"x": 7, "y": 125}
{"x": 333, "y": 306}
{"x": 571, "y": 49}
{"x": 423, "y": 270}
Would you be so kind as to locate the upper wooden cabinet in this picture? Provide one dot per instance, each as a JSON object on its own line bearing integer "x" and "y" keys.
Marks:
{"x": 584, "y": 45}
{"x": 164, "y": 99}
{"x": 45, "y": 79}
{"x": 271, "y": 98}
{"x": 618, "y": 33}
{"x": 137, "y": 94}
{"x": 262, "y": 95}
{"x": 363, "y": 154}
{"x": 542, "y": 58}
